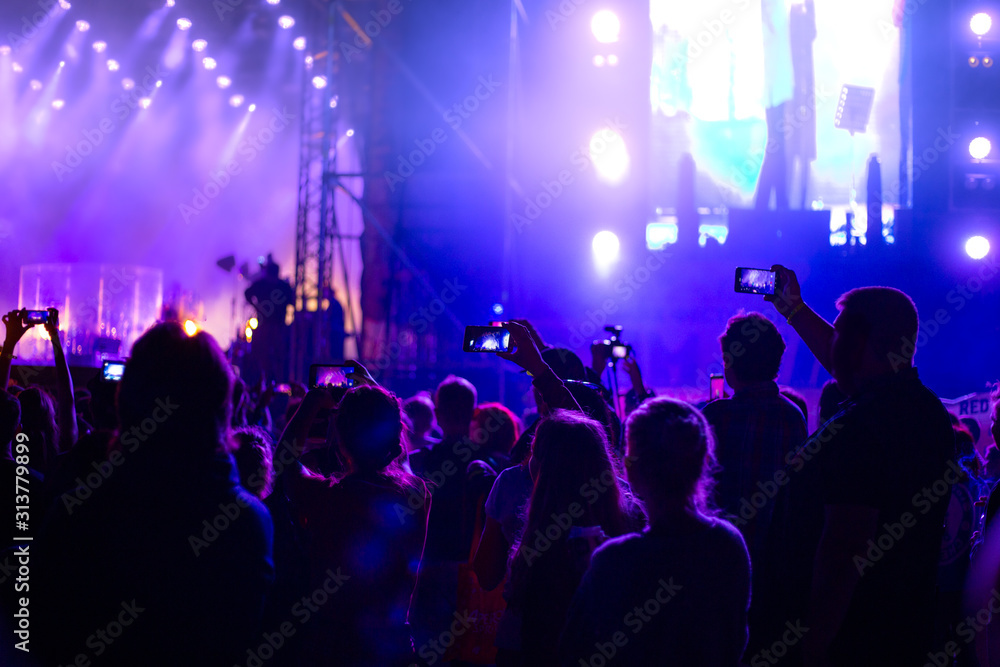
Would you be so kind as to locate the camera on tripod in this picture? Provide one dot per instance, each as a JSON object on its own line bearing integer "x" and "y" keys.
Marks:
{"x": 618, "y": 348}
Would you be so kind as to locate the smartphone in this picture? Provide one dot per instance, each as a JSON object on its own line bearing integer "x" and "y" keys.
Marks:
{"x": 36, "y": 316}
{"x": 716, "y": 387}
{"x": 112, "y": 371}
{"x": 486, "y": 339}
{"x": 330, "y": 375}
{"x": 755, "y": 281}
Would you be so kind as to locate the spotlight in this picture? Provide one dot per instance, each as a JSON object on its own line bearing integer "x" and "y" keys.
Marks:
{"x": 82, "y": 26}
{"x": 981, "y": 23}
{"x": 223, "y": 81}
{"x": 249, "y": 334}
{"x": 299, "y": 44}
{"x": 253, "y": 322}
{"x": 973, "y": 61}
{"x": 235, "y": 100}
{"x": 333, "y": 102}
{"x": 605, "y": 246}
{"x": 16, "y": 67}
{"x": 252, "y": 107}
{"x": 605, "y": 26}
{"x": 128, "y": 84}
{"x": 199, "y": 45}
{"x": 977, "y": 247}
{"x": 979, "y": 148}
{"x": 498, "y": 309}
{"x": 190, "y": 327}
{"x": 171, "y": 3}
{"x": 62, "y": 63}
{"x": 184, "y": 24}
{"x": 309, "y": 62}
{"x": 286, "y": 22}
{"x": 273, "y": 2}
{"x": 58, "y": 104}
{"x": 36, "y": 84}
{"x": 159, "y": 84}
{"x": 4, "y": 49}
{"x": 209, "y": 62}
{"x": 319, "y": 81}
{"x": 100, "y": 47}
{"x": 612, "y": 60}
{"x": 598, "y": 61}
{"x": 145, "y": 102}
{"x": 112, "y": 65}
{"x": 350, "y": 133}
{"x": 987, "y": 61}
{"x": 609, "y": 155}
{"x": 64, "y": 4}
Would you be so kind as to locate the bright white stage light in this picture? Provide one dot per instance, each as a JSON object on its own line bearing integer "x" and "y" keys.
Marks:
{"x": 235, "y": 100}
{"x": 350, "y": 133}
{"x": 977, "y": 247}
{"x": 299, "y": 44}
{"x": 286, "y": 22}
{"x": 36, "y": 84}
{"x": 199, "y": 45}
{"x": 190, "y": 327}
{"x": 99, "y": 46}
{"x": 273, "y": 2}
{"x": 599, "y": 61}
{"x": 183, "y": 23}
{"x": 112, "y": 65}
{"x": 128, "y": 84}
{"x": 609, "y": 155}
{"x": 171, "y": 3}
{"x": 319, "y": 81}
{"x": 64, "y": 4}
{"x": 223, "y": 81}
{"x": 145, "y": 102}
{"x": 606, "y": 26}
{"x": 981, "y": 23}
{"x": 82, "y": 26}
{"x": 58, "y": 104}
{"x": 16, "y": 67}
{"x": 979, "y": 148}
{"x": 209, "y": 62}
{"x": 252, "y": 107}
{"x": 605, "y": 246}
{"x": 612, "y": 60}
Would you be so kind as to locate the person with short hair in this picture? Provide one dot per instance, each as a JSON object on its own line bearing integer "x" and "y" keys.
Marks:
{"x": 678, "y": 593}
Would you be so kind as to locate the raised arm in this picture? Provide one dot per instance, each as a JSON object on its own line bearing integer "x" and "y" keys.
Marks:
{"x": 814, "y": 331}
{"x": 526, "y": 355}
{"x": 14, "y": 322}
{"x": 68, "y": 430}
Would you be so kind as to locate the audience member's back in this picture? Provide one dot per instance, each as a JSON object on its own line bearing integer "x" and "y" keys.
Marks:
{"x": 168, "y": 543}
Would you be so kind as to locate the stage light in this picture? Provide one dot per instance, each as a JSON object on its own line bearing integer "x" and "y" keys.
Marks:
{"x": 612, "y": 60}
{"x": 987, "y": 61}
{"x": 190, "y": 327}
{"x": 65, "y": 5}
{"x": 319, "y": 81}
{"x": 252, "y": 107}
{"x": 598, "y": 61}
{"x": 248, "y": 332}
{"x": 16, "y": 67}
{"x": 112, "y": 65}
{"x": 273, "y": 2}
{"x": 253, "y": 323}
{"x": 209, "y": 62}
{"x": 973, "y": 61}
{"x": 4, "y": 50}
{"x": 62, "y": 63}
{"x": 977, "y": 247}
{"x": 661, "y": 234}
{"x": 609, "y": 155}
{"x": 171, "y": 3}
{"x": 36, "y": 84}
{"x": 99, "y": 46}
{"x": 58, "y": 104}
{"x": 159, "y": 84}
{"x": 128, "y": 84}
{"x": 286, "y": 22}
{"x": 223, "y": 81}
{"x": 979, "y": 148}
{"x": 605, "y": 246}
{"x": 82, "y": 26}
{"x": 350, "y": 133}
{"x": 299, "y": 44}
{"x": 235, "y": 100}
{"x": 606, "y": 26}
{"x": 333, "y": 102}
{"x": 145, "y": 102}
{"x": 981, "y": 23}
{"x": 309, "y": 62}
{"x": 498, "y": 309}
{"x": 199, "y": 45}
{"x": 183, "y": 23}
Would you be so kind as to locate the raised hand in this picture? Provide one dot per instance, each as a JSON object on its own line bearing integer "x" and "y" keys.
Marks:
{"x": 787, "y": 296}
{"x": 360, "y": 375}
{"x": 52, "y": 327}
{"x": 523, "y": 352}
{"x": 16, "y": 328}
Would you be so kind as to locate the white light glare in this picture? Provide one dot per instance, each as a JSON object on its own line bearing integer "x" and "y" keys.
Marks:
{"x": 252, "y": 107}
{"x": 183, "y": 23}
{"x": 145, "y": 102}
{"x": 981, "y": 23}
{"x": 299, "y": 44}
{"x": 36, "y": 84}
{"x": 979, "y": 148}
{"x": 64, "y": 4}
{"x": 58, "y": 104}
{"x": 606, "y": 26}
{"x": 350, "y": 133}
{"x": 128, "y": 84}
{"x": 274, "y": 2}
{"x": 977, "y": 247}
{"x": 223, "y": 81}
{"x": 4, "y": 49}
{"x": 605, "y": 246}
{"x": 16, "y": 67}
{"x": 319, "y": 81}
{"x": 82, "y": 26}
{"x": 286, "y": 22}
{"x": 209, "y": 62}
{"x": 609, "y": 155}
{"x": 171, "y": 3}
{"x": 112, "y": 65}
{"x": 235, "y": 100}
{"x": 99, "y": 46}
{"x": 199, "y": 45}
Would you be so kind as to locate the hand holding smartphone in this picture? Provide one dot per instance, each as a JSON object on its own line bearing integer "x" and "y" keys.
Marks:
{"x": 755, "y": 281}
{"x": 486, "y": 339}
{"x": 112, "y": 371}
{"x": 331, "y": 375}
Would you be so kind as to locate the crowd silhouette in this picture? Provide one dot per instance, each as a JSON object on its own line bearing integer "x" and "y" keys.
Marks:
{"x": 178, "y": 520}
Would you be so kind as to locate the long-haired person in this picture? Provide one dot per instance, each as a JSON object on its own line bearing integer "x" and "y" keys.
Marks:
{"x": 677, "y": 593}
{"x": 576, "y": 503}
